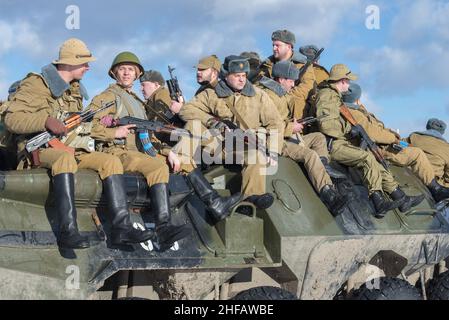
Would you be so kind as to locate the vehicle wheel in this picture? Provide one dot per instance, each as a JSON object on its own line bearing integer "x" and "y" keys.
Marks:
{"x": 265, "y": 293}
{"x": 439, "y": 287}
{"x": 389, "y": 289}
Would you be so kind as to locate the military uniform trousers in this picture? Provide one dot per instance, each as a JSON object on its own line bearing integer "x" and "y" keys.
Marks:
{"x": 254, "y": 164}
{"x": 414, "y": 158}
{"x": 374, "y": 175}
{"x": 60, "y": 161}
{"x": 154, "y": 169}
{"x": 440, "y": 168}
{"x": 309, "y": 150}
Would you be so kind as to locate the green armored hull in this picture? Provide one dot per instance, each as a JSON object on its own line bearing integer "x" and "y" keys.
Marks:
{"x": 296, "y": 245}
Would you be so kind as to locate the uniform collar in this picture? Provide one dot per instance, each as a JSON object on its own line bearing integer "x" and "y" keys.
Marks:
{"x": 295, "y": 58}
{"x": 57, "y": 85}
{"x": 223, "y": 90}
{"x": 273, "y": 86}
{"x": 432, "y": 133}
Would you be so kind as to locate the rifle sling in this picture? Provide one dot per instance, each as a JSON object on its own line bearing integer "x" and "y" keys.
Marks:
{"x": 229, "y": 103}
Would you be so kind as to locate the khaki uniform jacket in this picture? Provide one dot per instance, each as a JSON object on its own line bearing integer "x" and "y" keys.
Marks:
{"x": 159, "y": 103}
{"x": 284, "y": 105}
{"x": 257, "y": 110}
{"x": 431, "y": 145}
{"x": 321, "y": 74}
{"x": 106, "y": 136}
{"x": 374, "y": 127}
{"x": 329, "y": 101}
{"x": 300, "y": 91}
{"x": 33, "y": 103}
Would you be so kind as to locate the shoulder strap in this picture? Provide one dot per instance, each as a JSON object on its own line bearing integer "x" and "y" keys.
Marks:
{"x": 120, "y": 103}
{"x": 230, "y": 105}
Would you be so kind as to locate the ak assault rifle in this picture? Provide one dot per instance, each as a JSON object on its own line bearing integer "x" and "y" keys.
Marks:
{"x": 309, "y": 120}
{"x": 249, "y": 138}
{"x": 306, "y": 66}
{"x": 173, "y": 86}
{"x": 365, "y": 139}
{"x": 144, "y": 128}
{"x": 49, "y": 139}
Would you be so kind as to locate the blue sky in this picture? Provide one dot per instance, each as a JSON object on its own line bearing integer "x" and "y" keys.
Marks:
{"x": 402, "y": 66}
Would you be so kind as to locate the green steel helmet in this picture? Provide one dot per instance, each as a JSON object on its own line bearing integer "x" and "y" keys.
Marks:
{"x": 126, "y": 57}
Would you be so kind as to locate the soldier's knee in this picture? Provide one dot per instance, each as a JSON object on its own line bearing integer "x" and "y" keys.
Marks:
{"x": 65, "y": 163}
{"x": 111, "y": 165}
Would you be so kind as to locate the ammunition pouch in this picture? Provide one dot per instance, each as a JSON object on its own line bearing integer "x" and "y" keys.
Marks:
{"x": 80, "y": 139}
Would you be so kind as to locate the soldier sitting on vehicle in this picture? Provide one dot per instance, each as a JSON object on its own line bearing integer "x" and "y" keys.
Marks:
{"x": 41, "y": 103}
{"x": 159, "y": 105}
{"x": 345, "y": 144}
{"x": 283, "y": 44}
{"x": 310, "y": 149}
{"x": 436, "y": 149}
{"x": 389, "y": 141}
{"x": 237, "y": 100}
{"x": 121, "y": 141}
{"x": 207, "y": 72}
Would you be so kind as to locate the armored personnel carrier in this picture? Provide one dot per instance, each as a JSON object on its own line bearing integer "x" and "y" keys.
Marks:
{"x": 295, "y": 249}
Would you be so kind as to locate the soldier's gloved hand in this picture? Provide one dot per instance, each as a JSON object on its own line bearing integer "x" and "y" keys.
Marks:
{"x": 355, "y": 132}
{"x": 55, "y": 126}
{"x": 218, "y": 125}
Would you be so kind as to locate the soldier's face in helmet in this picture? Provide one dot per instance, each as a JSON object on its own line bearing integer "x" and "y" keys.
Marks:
{"x": 287, "y": 84}
{"x": 282, "y": 51}
{"x": 236, "y": 81}
{"x": 126, "y": 74}
{"x": 204, "y": 76}
{"x": 148, "y": 88}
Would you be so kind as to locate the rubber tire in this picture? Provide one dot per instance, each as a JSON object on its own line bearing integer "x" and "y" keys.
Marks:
{"x": 265, "y": 293}
{"x": 439, "y": 287}
{"x": 390, "y": 289}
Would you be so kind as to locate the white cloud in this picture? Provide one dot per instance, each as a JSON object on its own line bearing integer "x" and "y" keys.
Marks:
{"x": 19, "y": 35}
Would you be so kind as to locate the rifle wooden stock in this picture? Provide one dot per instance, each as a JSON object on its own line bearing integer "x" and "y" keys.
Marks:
{"x": 57, "y": 144}
{"x": 346, "y": 113}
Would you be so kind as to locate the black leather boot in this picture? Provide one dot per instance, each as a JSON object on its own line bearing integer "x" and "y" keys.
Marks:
{"x": 408, "y": 202}
{"x": 381, "y": 204}
{"x": 64, "y": 193}
{"x": 438, "y": 191}
{"x": 263, "y": 201}
{"x": 167, "y": 233}
{"x": 219, "y": 207}
{"x": 333, "y": 199}
{"x": 122, "y": 231}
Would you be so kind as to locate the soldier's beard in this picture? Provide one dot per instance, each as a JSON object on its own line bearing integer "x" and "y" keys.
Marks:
{"x": 204, "y": 82}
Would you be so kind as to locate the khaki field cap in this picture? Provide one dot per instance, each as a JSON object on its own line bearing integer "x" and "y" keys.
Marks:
{"x": 209, "y": 62}
{"x": 74, "y": 52}
{"x": 340, "y": 71}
